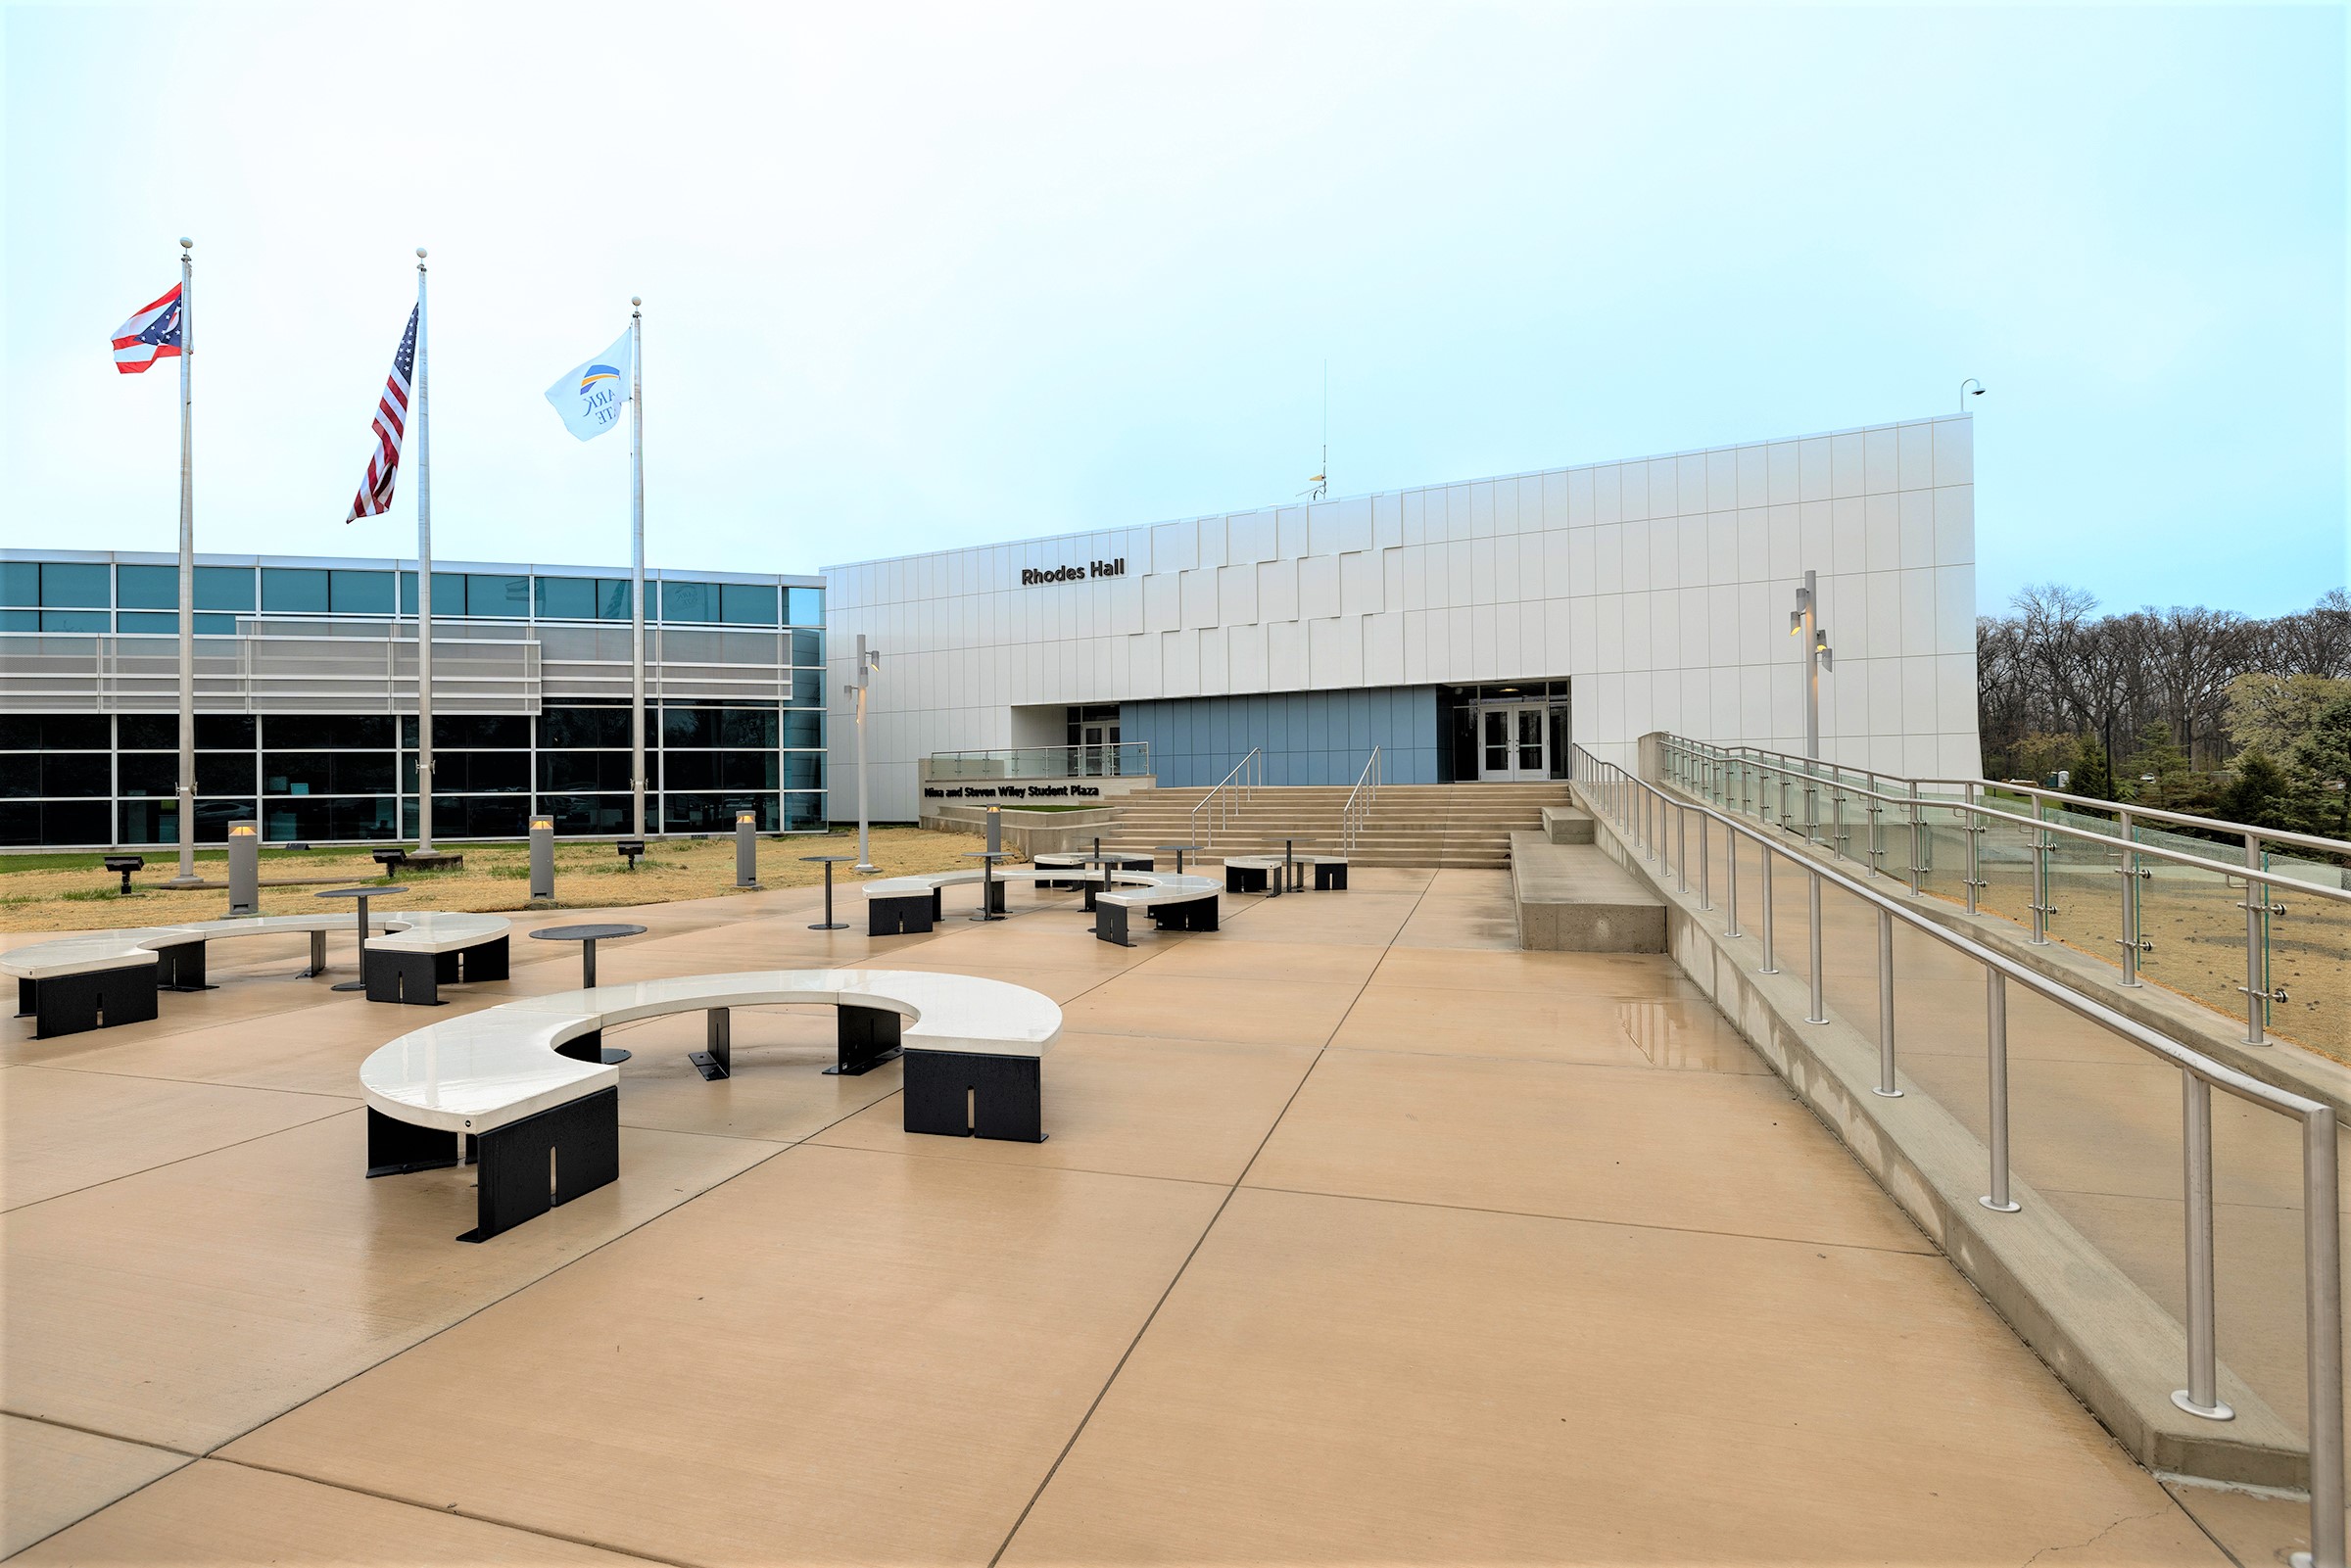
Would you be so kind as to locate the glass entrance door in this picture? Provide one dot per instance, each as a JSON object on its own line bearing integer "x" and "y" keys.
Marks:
{"x": 1513, "y": 743}
{"x": 1101, "y": 753}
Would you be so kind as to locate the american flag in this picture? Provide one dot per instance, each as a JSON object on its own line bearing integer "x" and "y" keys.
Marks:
{"x": 152, "y": 333}
{"x": 391, "y": 428}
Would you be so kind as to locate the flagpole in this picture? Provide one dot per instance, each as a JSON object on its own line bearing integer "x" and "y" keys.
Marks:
{"x": 424, "y": 578}
{"x": 637, "y": 558}
{"x": 187, "y": 577}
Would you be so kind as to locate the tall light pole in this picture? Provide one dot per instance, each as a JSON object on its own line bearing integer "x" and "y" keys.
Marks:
{"x": 1804, "y": 621}
{"x": 868, "y": 661}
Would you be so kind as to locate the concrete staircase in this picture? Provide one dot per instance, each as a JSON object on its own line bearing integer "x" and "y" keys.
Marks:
{"x": 1409, "y": 825}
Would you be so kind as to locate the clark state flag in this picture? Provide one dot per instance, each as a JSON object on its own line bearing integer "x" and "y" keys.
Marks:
{"x": 589, "y": 396}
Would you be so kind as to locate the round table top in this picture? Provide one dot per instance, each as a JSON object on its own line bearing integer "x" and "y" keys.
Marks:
{"x": 585, "y": 934}
{"x": 364, "y": 892}
{"x": 830, "y": 860}
{"x": 1107, "y": 855}
{"x": 1301, "y": 838}
{"x": 987, "y": 854}
{"x": 1172, "y": 848}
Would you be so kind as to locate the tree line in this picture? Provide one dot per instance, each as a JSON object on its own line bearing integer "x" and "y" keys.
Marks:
{"x": 2187, "y": 708}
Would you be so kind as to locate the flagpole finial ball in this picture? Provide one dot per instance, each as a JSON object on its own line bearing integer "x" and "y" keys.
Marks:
{"x": 186, "y": 243}
{"x": 419, "y": 253}
{"x": 634, "y": 299}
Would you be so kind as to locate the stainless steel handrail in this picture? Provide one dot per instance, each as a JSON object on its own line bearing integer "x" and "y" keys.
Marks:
{"x": 1246, "y": 775}
{"x": 1638, "y": 808}
{"x": 1352, "y": 815}
{"x": 1837, "y": 771}
{"x": 1698, "y": 763}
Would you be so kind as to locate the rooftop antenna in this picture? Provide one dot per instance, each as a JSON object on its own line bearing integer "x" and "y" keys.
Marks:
{"x": 1319, "y": 486}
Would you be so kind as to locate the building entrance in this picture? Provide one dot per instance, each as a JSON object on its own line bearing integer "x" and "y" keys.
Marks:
{"x": 1512, "y": 731}
{"x": 1511, "y": 743}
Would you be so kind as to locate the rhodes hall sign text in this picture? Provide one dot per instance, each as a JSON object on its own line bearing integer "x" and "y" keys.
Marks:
{"x": 1031, "y": 575}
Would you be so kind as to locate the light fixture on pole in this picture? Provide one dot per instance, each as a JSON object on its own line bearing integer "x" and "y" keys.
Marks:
{"x": 1804, "y": 621}
{"x": 868, "y": 661}
{"x": 1964, "y": 393}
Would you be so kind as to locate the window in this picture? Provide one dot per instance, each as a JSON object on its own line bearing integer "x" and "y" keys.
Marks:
{"x": 19, "y": 581}
{"x": 589, "y": 813}
{"x": 744, "y": 727}
{"x": 804, "y": 606}
{"x": 564, "y": 598}
{"x": 360, "y": 593}
{"x": 747, "y": 603}
{"x": 808, "y": 648}
{"x": 157, "y": 587}
{"x": 74, "y": 586}
{"x": 462, "y": 729}
{"x": 52, "y": 731}
{"x": 690, "y": 602}
{"x": 76, "y": 621}
{"x": 586, "y": 772}
{"x": 19, "y": 620}
{"x": 804, "y": 728}
{"x": 449, "y": 593}
{"x": 710, "y": 814}
{"x": 503, "y": 597}
{"x": 613, "y": 598}
{"x": 803, "y": 770}
{"x": 341, "y": 731}
{"x": 293, "y": 590}
{"x": 159, "y": 732}
{"x": 572, "y": 728}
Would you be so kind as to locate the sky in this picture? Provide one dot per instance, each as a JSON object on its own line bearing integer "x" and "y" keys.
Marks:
{"x": 922, "y": 276}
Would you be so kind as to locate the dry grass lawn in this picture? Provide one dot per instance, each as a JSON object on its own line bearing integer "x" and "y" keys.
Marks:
{"x": 496, "y": 876}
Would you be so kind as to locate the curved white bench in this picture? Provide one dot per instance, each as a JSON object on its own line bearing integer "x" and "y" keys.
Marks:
{"x": 898, "y": 906}
{"x": 1176, "y": 901}
{"x": 111, "y": 978}
{"x": 1251, "y": 874}
{"x": 525, "y": 1078}
{"x": 426, "y": 949}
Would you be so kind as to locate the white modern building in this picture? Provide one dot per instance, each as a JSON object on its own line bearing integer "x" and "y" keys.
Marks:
{"x": 1469, "y": 629}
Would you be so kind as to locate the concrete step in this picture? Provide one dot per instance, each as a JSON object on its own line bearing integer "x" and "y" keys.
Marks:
{"x": 1572, "y": 898}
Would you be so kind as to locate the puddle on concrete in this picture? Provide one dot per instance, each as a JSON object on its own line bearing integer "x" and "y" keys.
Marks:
{"x": 1687, "y": 1038}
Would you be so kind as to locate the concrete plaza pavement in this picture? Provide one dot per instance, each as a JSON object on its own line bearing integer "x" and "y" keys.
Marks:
{"x": 1360, "y": 1236}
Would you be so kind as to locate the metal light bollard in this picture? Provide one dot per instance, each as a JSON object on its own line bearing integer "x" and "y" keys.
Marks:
{"x": 543, "y": 860}
{"x": 244, "y": 868}
{"x": 747, "y": 850}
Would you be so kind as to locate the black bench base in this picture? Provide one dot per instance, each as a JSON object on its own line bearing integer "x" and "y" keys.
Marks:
{"x": 964, "y": 1094}
{"x": 74, "y": 1004}
{"x": 415, "y": 978}
{"x": 1245, "y": 878}
{"x": 180, "y": 968}
{"x": 581, "y": 1139}
{"x": 906, "y": 915}
{"x": 865, "y": 1037}
{"x": 1331, "y": 876}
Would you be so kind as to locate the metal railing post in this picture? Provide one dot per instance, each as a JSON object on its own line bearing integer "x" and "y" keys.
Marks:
{"x": 1995, "y": 1053}
{"x": 1706, "y": 895}
{"x": 2202, "y": 1395}
{"x": 1975, "y": 850}
{"x": 1681, "y": 846}
{"x": 2323, "y": 1285}
{"x": 2130, "y": 880}
{"x": 1771, "y": 963}
{"x": 1885, "y": 1087}
{"x": 1730, "y": 870}
{"x": 1838, "y": 839}
{"x": 2041, "y": 849}
{"x": 2257, "y": 980}
{"x": 1914, "y": 825}
{"x": 1820, "y": 1007}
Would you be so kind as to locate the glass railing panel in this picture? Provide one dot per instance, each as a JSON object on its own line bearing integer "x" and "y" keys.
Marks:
{"x": 2086, "y": 892}
{"x": 2004, "y": 866}
{"x": 1943, "y": 852}
{"x": 2192, "y": 924}
{"x": 2309, "y": 955}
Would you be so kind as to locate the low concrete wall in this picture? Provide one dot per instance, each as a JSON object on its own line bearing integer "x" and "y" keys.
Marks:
{"x": 1570, "y": 898}
{"x": 1028, "y": 833}
{"x": 1566, "y": 825}
{"x": 2110, "y": 1343}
